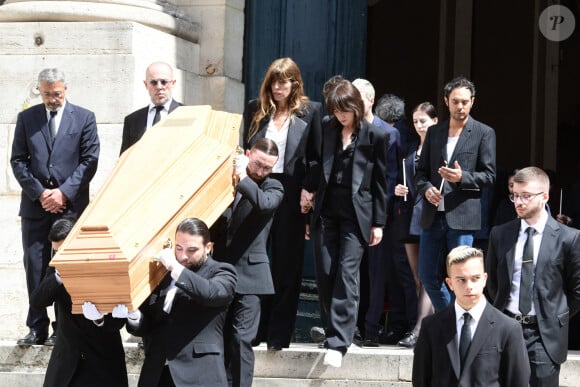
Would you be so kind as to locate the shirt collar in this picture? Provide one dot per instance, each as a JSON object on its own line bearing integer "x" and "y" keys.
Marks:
{"x": 475, "y": 312}
{"x": 539, "y": 226}
{"x": 165, "y": 105}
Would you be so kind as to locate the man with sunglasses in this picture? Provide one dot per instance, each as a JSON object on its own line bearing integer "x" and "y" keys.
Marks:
{"x": 533, "y": 266}
{"x": 159, "y": 83}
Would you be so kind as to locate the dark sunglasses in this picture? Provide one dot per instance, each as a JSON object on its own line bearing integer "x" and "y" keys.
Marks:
{"x": 163, "y": 82}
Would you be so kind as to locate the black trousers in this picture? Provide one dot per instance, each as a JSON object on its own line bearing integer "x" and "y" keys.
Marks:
{"x": 240, "y": 330}
{"x": 37, "y": 254}
{"x": 338, "y": 250}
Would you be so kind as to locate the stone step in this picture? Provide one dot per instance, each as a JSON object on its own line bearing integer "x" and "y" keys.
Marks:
{"x": 300, "y": 365}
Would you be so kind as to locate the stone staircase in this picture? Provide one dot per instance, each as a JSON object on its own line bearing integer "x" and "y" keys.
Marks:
{"x": 300, "y": 365}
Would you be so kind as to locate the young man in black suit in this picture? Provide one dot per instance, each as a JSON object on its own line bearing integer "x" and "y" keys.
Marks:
{"x": 247, "y": 226}
{"x": 159, "y": 82}
{"x": 470, "y": 343}
{"x": 534, "y": 274}
{"x": 88, "y": 350}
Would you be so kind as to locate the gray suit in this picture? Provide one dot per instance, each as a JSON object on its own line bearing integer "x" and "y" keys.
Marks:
{"x": 556, "y": 293}
{"x": 496, "y": 356}
{"x": 475, "y": 152}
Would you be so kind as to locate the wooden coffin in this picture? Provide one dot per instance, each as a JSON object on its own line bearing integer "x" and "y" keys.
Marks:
{"x": 180, "y": 168}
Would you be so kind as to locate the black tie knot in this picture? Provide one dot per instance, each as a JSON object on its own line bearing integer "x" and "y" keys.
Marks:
{"x": 157, "y": 116}
{"x": 530, "y": 231}
{"x": 53, "y": 113}
{"x": 159, "y": 108}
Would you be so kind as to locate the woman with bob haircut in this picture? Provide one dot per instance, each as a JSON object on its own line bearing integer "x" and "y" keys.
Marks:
{"x": 348, "y": 210}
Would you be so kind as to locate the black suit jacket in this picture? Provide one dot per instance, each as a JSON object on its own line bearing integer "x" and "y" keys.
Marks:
{"x": 71, "y": 162}
{"x": 497, "y": 355}
{"x": 190, "y": 337}
{"x": 93, "y": 355}
{"x": 135, "y": 125}
{"x": 302, "y": 146}
{"x": 475, "y": 152}
{"x": 368, "y": 176}
{"x": 556, "y": 293}
{"x": 241, "y": 234}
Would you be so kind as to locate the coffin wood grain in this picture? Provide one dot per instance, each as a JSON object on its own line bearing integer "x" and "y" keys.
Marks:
{"x": 180, "y": 168}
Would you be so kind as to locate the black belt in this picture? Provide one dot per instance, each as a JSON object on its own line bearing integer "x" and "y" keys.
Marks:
{"x": 523, "y": 319}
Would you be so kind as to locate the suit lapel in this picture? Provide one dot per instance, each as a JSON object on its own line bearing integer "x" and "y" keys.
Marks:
{"x": 511, "y": 253}
{"x": 329, "y": 151}
{"x": 482, "y": 332}
{"x": 43, "y": 120}
{"x": 360, "y": 160}
{"x": 452, "y": 344}
{"x": 295, "y": 133}
{"x": 463, "y": 139}
{"x": 548, "y": 245}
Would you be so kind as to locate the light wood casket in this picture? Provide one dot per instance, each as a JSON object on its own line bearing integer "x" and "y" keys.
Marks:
{"x": 180, "y": 168}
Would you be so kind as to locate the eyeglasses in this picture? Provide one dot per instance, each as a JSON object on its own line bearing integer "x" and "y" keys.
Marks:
{"x": 524, "y": 198}
{"x": 56, "y": 94}
{"x": 163, "y": 82}
{"x": 260, "y": 166}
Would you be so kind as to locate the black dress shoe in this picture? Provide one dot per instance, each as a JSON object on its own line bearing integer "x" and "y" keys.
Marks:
{"x": 371, "y": 341}
{"x": 409, "y": 341}
{"x": 51, "y": 340}
{"x": 391, "y": 337}
{"x": 32, "y": 338}
{"x": 274, "y": 347}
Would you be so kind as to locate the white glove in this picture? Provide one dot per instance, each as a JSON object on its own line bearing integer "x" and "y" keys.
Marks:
{"x": 121, "y": 311}
{"x": 91, "y": 312}
{"x": 240, "y": 165}
{"x": 167, "y": 258}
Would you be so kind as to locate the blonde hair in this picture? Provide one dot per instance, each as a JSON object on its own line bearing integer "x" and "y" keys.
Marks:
{"x": 461, "y": 254}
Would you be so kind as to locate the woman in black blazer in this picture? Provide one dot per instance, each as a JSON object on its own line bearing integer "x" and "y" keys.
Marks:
{"x": 285, "y": 115}
{"x": 407, "y": 215}
{"x": 349, "y": 210}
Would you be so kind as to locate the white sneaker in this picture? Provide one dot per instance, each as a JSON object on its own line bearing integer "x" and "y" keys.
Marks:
{"x": 333, "y": 358}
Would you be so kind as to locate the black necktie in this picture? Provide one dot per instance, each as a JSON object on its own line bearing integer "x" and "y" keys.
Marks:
{"x": 465, "y": 338}
{"x": 527, "y": 273}
{"x": 52, "y": 125}
{"x": 157, "y": 114}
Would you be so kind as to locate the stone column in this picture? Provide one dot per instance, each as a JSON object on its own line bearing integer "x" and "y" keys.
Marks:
{"x": 164, "y": 17}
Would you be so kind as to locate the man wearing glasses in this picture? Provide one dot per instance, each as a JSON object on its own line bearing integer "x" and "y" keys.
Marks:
{"x": 54, "y": 156}
{"x": 159, "y": 82}
{"x": 241, "y": 236}
{"x": 533, "y": 266}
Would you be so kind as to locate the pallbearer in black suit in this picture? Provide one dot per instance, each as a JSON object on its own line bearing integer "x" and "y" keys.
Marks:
{"x": 470, "y": 343}
{"x": 534, "y": 274}
{"x": 159, "y": 82}
{"x": 349, "y": 210}
{"x": 243, "y": 243}
{"x": 182, "y": 321}
{"x": 88, "y": 350}
{"x": 284, "y": 114}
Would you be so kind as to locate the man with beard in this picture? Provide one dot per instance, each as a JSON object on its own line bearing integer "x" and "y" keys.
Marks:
{"x": 244, "y": 230}
{"x": 159, "y": 83}
{"x": 533, "y": 265}
{"x": 182, "y": 320}
{"x": 457, "y": 162}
